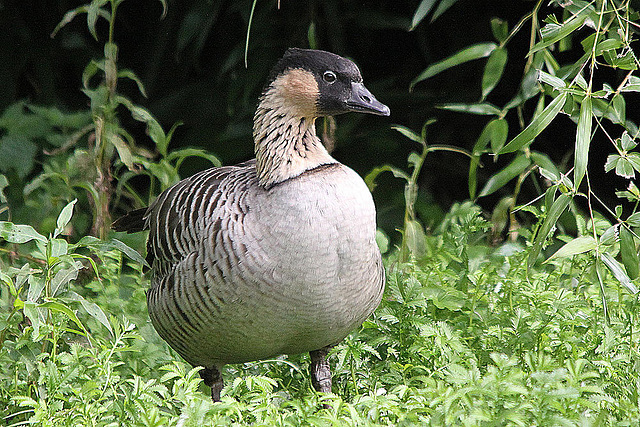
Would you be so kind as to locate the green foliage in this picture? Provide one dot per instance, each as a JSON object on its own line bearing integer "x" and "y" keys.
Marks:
{"x": 464, "y": 336}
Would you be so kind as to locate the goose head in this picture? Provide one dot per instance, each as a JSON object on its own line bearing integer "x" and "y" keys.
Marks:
{"x": 315, "y": 83}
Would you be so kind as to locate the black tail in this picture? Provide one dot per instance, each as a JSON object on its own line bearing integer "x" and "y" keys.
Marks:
{"x": 132, "y": 222}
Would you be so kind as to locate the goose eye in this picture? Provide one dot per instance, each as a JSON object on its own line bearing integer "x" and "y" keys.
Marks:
{"x": 329, "y": 76}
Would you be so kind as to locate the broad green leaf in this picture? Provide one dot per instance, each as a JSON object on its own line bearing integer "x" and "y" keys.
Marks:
{"x": 470, "y": 53}
{"x": 634, "y": 220}
{"x": 423, "y": 10}
{"x": 618, "y": 271}
{"x": 57, "y": 248}
{"x": 612, "y": 161}
{"x": 31, "y": 311}
{"x": 493, "y": 70}
{"x": 19, "y": 233}
{"x": 36, "y": 286}
{"x": 610, "y": 235}
{"x": 499, "y": 133}
{"x": 576, "y": 246}
{"x": 557, "y": 208}
{"x": 92, "y": 309}
{"x": 583, "y": 140}
{"x": 64, "y": 217}
{"x": 629, "y": 253}
{"x": 537, "y": 125}
{"x": 90, "y": 70}
{"x": 544, "y": 162}
{"x": 481, "y": 108}
{"x": 63, "y": 277}
{"x": 92, "y": 16}
{"x": 500, "y": 179}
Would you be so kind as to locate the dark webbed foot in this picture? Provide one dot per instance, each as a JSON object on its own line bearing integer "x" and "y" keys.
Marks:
{"x": 213, "y": 378}
{"x": 320, "y": 370}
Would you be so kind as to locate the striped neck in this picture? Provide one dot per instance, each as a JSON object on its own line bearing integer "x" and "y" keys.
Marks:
{"x": 286, "y": 144}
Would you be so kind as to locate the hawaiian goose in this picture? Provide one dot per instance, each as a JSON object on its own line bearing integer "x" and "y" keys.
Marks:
{"x": 276, "y": 255}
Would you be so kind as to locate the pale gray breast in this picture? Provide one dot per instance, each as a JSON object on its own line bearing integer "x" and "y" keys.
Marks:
{"x": 247, "y": 273}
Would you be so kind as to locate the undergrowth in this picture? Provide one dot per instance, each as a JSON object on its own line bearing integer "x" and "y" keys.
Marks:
{"x": 464, "y": 336}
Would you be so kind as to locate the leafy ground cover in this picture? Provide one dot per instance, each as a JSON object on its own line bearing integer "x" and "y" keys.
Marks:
{"x": 464, "y": 336}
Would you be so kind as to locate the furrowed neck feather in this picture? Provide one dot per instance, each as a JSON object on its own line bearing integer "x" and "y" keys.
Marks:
{"x": 284, "y": 134}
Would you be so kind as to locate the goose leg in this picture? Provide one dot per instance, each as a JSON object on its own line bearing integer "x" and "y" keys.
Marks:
{"x": 213, "y": 378}
{"x": 320, "y": 370}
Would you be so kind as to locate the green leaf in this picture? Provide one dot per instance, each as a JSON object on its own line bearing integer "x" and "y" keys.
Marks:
{"x": 619, "y": 109}
{"x": 583, "y": 140}
{"x": 470, "y": 53}
{"x": 19, "y": 233}
{"x": 612, "y": 161}
{"x": 557, "y": 208}
{"x": 497, "y": 181}
{"x": 624, "y": 168}
{"x": 415, "y": 239}
{"x": 576, "y": 246}
{"x": 634, "y": 220}
{"x": 544, "y": 162}
{"x": 63, "y": 277}
{"x": 553, "y": 81}
{"x": 128, "y": 74}
{"x": 408, "y": 133}
{"x": 481, "y": 108}
{"x": 423, "y": 10}
{"x": 553, "y": 32}
{"x": 64, "y": 217}
{"x": 500, "y": 29}
{"x": 442, "y": 8}
{"x": 59, "y": 307}
{"x": 632, "y": 84}
{"x": 618, "y": 272}
{"x": 626, "y": 142}
{"x": 124, "y": 152}
{"x": 92, "y": 309}
{"x": 629, "y": 253}
{"x": 68, "y": 17}
{"x": 493, "y": 70}
{"x": 537, "y": 125}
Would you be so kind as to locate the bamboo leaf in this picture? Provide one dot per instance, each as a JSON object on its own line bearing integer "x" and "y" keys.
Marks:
{"x": 553, "y": 31}
{"x": 583, "y": 140}
{"x": 537, "y": 125}
{"x": 481, "y": 108}
{"x": 557, "y": 208}
{"x": 423, "y": 10}
{"x": 470, "y": 53}
{"x": 618, "y": 272}
{"x": 493, "y": 70}
{"x": 497, "y": 181}
{"x": 576, "y": 246}
{"x": 629, "y": 253}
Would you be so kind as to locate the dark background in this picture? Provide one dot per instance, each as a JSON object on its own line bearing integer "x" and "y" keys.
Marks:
{"x": 192, "y": 64}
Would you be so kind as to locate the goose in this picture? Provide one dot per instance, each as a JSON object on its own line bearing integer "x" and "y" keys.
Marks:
{"x": 276, "y": 255}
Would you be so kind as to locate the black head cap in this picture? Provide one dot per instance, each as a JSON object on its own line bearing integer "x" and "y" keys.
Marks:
{"x": 340, "y": 87}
